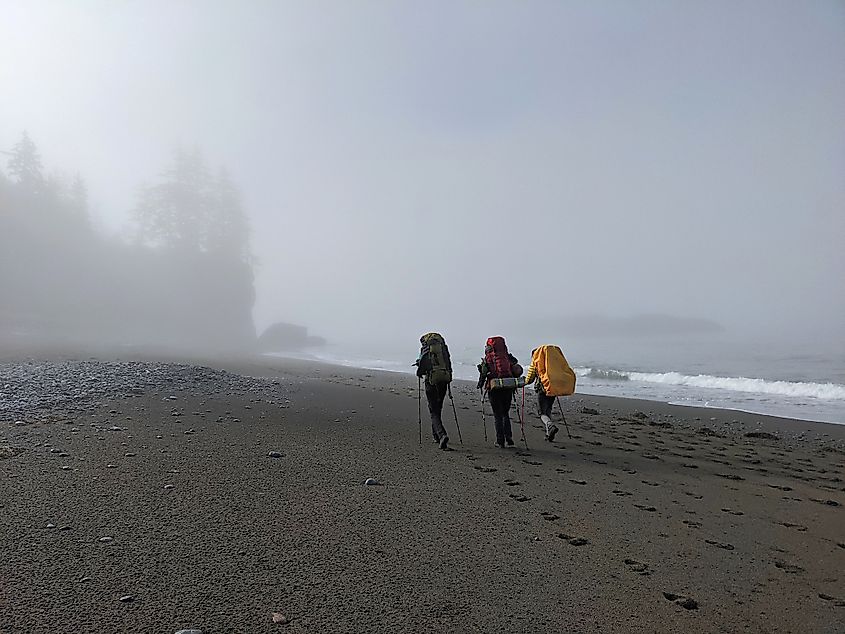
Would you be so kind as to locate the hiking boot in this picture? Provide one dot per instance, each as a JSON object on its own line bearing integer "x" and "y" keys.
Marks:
{"x": 444, "y": 442}
{"x": 550, "y": 435}
{"x": 509, "y": 442}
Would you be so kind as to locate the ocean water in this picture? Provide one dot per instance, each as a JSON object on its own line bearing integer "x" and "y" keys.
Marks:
{"x": 804, "y": 381}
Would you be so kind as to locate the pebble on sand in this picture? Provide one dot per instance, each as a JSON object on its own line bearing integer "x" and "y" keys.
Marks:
{"x": 167, "y": 487}
{"x": 189, "y": 632}
{"x": 105, "y": 540}
{"x": 127, "y": 598}
{"x": 372, "y": 482}
{"x": 275, "y": 454}
{"x": 279, "y": 618}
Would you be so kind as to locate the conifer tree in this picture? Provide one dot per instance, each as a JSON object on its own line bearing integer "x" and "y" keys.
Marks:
{"x": 25, "y": 165}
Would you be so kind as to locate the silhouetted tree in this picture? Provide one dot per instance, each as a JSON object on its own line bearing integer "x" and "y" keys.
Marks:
{"x": 228, "y": 229}
{"x": 25, "y": 165}
{"x": 194, "y": 212}
{"x": 174, "y": 213}
{"x": 79, "y": 199}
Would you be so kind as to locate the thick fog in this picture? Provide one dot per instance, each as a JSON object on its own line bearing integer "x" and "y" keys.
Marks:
{"x": 460, "y": 166}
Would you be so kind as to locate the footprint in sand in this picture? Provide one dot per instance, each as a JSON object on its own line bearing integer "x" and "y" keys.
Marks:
{"x": 630, "y": 471}
{"x": 719, "y": 544}
{"x": 621, "y": 493}
{"x": 532, "y": 462}
{"x": 512, "y": 483}
{"x": 485, "y": 469}
{"x": 519, "y": 498}
{"x": 637, "y": 566}
{"x": 732, "y": 512}
{"x": 788, "y": 568}
{"x": 574, "y": 541}
{"x": 550, "y": 517}
{"x": 650, "y": 509}
{"x": 651, "y": 484}
{"x": 782, "y": 488}
{"x": 691, "y": 466}
{"x": 559, "y": 470}
{"x": 679, "y": 599}
{"x": 692, "y": 524}
{"x": 801, "y": 528}
{"x": 825, "y": 502}
{"x": 578, "y": 481}
{"x": 837, "y": 602}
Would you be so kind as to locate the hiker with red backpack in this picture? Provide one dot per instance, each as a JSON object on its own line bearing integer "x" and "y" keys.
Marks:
{"x": 498, "y": 372}
{"x": 435, "y": 365}
{"x": 554, "y": 377}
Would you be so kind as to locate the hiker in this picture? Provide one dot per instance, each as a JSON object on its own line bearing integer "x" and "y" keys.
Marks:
{"x": 435, "y": 365}
{"x": 552, "y": 377}
{"x": 498, "y": 363}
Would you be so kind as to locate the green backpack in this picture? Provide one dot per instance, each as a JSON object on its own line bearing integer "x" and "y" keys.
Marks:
{"x": 439, "y": 366}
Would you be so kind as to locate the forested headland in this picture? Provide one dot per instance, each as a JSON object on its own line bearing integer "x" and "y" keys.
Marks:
{"x": 181, "y": 277}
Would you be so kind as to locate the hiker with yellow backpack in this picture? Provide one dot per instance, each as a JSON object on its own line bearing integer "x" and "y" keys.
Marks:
{"x": 552, "y": 377}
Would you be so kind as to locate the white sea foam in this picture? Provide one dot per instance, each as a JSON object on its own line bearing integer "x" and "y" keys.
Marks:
{"x": 830, "y": 391}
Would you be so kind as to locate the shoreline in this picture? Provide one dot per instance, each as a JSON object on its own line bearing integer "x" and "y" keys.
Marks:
{"x": 651, "y": 518}
{"x": 732, "y": 421}
{"x": 311, "y": 358}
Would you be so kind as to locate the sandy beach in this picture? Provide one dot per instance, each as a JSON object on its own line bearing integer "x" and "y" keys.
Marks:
{"x": 142, "y": 496}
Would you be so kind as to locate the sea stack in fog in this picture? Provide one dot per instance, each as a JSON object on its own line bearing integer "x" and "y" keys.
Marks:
{"x": 284, "y": 337}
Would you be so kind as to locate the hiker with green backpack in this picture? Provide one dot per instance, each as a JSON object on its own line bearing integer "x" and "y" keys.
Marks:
{"x": 435, "y": 365}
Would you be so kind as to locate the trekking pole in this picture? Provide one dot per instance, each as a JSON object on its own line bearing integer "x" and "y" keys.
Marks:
{"x": 521, "y": 422}
{"x": 483, "y": 419}
{"x": 563, "y": 417}
{"x": 419, "y": 406}
{"x": 454, "y": 409}
{"x": 523, "y": 402}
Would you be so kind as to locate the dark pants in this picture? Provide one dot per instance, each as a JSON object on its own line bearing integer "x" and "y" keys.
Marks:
{"x": 544, "y": 404}
{"x": 435, "y": 395}
{"x": 500, "y": 400}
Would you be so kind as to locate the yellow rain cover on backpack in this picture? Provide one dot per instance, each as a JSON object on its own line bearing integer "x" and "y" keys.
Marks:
{"x": 553, "y": 370}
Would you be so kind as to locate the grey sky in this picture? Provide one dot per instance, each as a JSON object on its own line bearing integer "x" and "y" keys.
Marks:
{"x": 625, "y": 156}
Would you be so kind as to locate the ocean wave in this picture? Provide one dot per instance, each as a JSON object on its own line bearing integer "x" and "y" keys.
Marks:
{"x": 829, "y": 391}
{"x": 610, "y": 375}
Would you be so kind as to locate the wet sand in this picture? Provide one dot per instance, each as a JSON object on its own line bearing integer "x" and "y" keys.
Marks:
{"x": 651, "y": 518}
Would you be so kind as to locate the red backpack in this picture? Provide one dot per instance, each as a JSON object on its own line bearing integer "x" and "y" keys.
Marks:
{"x": 497, "y": 359}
